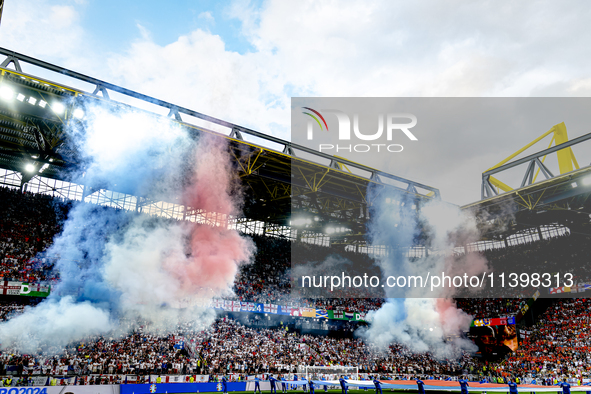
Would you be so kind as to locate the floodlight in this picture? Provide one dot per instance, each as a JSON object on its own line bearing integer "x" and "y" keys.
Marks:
{"x": 6, "y": 93}
{"x": 58, "y": 108}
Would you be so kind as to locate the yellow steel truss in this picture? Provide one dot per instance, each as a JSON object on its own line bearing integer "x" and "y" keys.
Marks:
{"x": 566, "y": 158}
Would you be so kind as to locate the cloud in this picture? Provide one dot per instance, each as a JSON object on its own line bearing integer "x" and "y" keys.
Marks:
{"x": 198, "y": 72}
{"x": 45, "y": 30}
{"x": 62, "y": 17}
{"x": 206, "y": 16}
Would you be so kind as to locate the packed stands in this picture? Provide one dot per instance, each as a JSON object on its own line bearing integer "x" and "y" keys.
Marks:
{"x": 9, "y": 309}
{"x": 486, "y": 308}
{"x": 228, "y": 347}
{"x": 558, "y": 345}
{"x": 29, "y": 222}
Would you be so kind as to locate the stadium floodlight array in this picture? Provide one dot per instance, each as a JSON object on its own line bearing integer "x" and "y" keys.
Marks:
{"x": 329, "y": 373}
{"x": 8, "y": 93}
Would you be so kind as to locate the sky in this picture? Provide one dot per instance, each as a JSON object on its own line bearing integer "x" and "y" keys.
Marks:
{"x": 242, "y": 61}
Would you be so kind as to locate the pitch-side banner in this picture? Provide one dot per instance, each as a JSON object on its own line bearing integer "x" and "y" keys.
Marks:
{"x": 253, "y": 307}
{"x": 24, "y": 289}
{"x": 162, "y": 388}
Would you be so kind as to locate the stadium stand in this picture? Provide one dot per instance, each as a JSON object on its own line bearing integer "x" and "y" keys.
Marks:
{"x": 9, "y": 309}
{"x": 486, "y": 308}
{"x": 28, "y": 223}
{"x": 228, "y": 347}
{"x": 558, "y": 345}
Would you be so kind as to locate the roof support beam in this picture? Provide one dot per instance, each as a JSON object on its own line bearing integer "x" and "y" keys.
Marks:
{"x": 176, "y": 112}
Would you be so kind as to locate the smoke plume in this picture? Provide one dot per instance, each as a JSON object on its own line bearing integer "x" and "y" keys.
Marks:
{"x": 123, "y": 267}
{"x": 431, "y": 324}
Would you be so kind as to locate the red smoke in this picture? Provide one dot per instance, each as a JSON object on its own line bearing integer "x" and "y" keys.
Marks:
{"x": 452, "y": 319}
{"x": 215, "y": 251}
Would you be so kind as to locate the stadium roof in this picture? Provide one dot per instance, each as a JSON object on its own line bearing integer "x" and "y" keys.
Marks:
{"x": 285, "y": 180}
{"x": 558, "y": 200}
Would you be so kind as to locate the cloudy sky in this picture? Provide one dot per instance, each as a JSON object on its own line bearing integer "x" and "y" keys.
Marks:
{"x": 242, "y": 61}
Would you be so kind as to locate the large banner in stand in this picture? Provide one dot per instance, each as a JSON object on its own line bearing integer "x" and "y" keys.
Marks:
{"x": 24, "y": 289}
{"x": 284, "y": 310}
{"x": 578, "y": 288}
{"x": 494, "y": 321}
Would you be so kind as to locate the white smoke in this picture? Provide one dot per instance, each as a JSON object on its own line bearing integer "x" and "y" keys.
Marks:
{"x": 61, "y": 320}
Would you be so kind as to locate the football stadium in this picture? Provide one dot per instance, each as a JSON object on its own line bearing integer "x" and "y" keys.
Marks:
{"x": 150, "y": 248}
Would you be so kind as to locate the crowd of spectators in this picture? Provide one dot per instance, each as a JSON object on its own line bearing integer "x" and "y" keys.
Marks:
{"x": 29, "y": 222}
{"x": 266, "y": 280}
{"x": 227, "y": 347}
{"x": 9, "y": 309}
{"x": 564, "y": 253}
{"x": 490, "y": 308}
{"x": 558, "y": 345}
{"x": 568, "y": 253}
{"x": 136, "y": 353}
